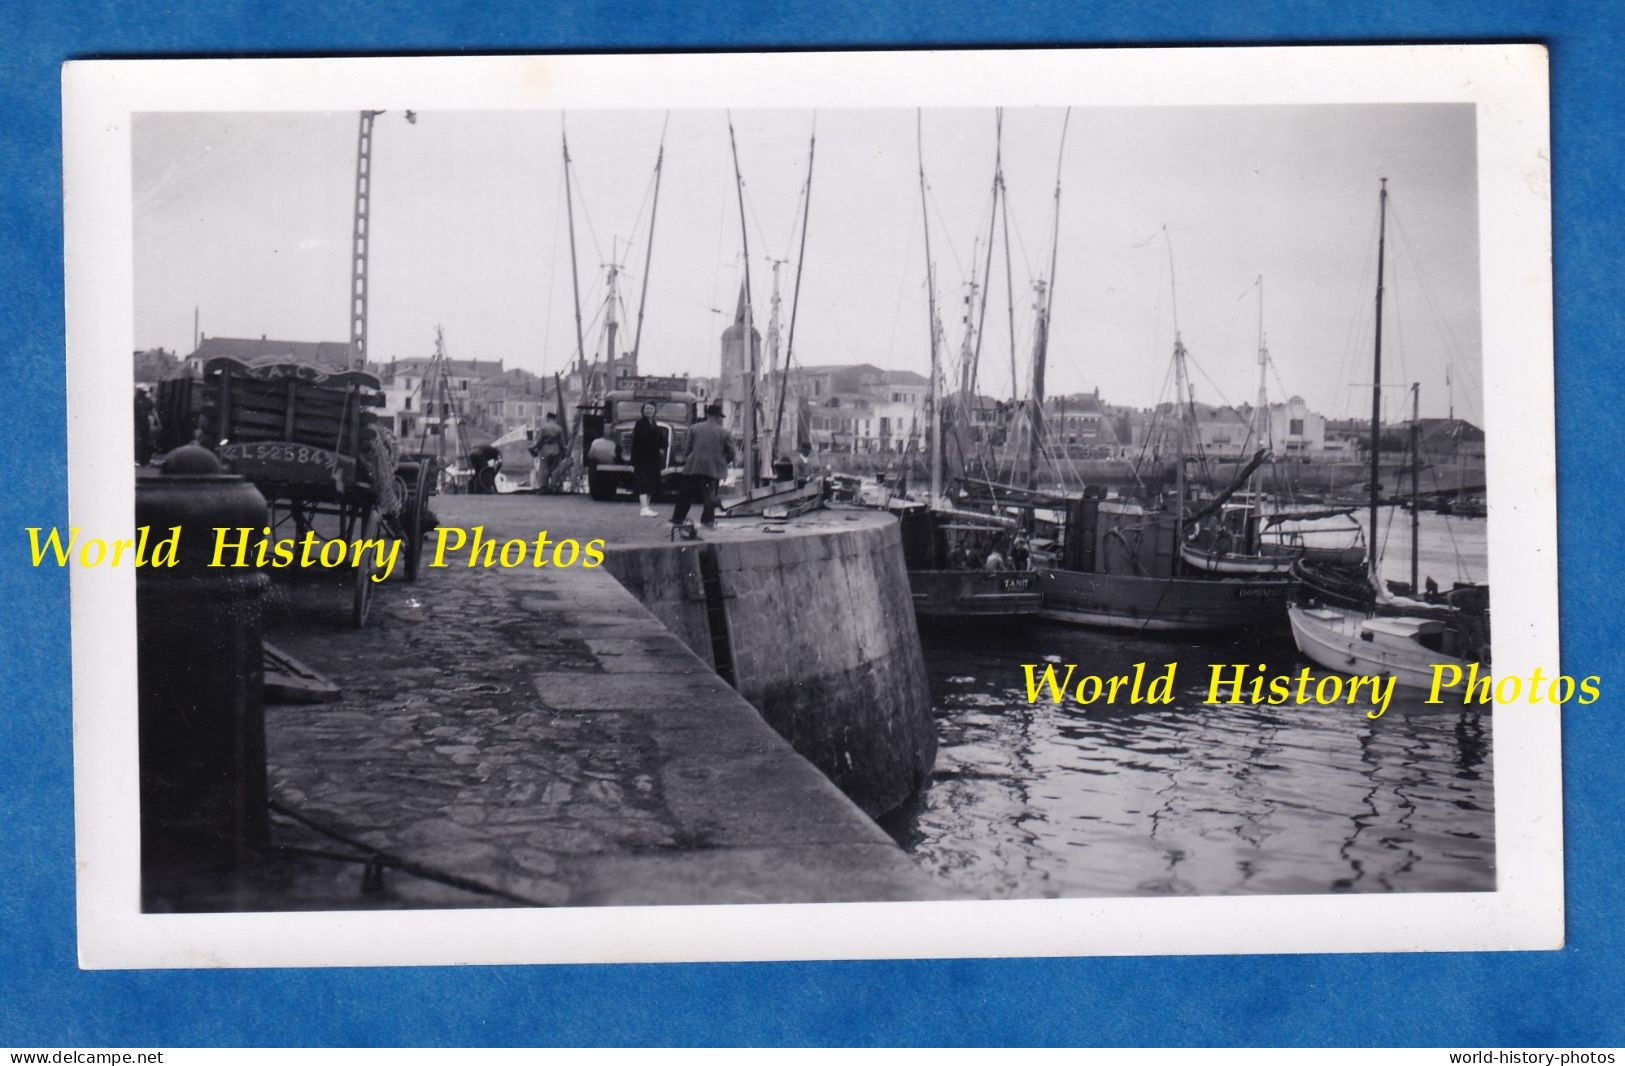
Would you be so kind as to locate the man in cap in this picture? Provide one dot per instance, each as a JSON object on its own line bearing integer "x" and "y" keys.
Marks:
{"x": 710, "y": 450}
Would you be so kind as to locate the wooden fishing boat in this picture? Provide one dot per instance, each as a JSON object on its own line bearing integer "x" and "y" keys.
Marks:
{"x": 1345, "y": 619}
{"x": 1245, "y": 543}
{"x": 1120, "y": 569}
{"x": 963, "y": 564}
{"x": 947, "y": 554}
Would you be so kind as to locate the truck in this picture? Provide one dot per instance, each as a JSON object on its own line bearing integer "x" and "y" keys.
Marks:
{"x": 606, "y": 430}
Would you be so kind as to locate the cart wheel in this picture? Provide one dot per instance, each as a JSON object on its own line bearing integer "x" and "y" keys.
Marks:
{"x": 412, "y": 524}
{"x": 362, "y": 600}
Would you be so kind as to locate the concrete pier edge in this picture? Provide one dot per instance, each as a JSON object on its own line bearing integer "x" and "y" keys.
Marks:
{"x": 539, "y": 734}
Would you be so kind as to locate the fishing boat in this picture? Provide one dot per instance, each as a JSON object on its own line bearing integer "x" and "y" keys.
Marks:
{"x": 946, "y": 552}
{"x": 962, "y": 563}
{"x": 1262, "y": 533}
{"x": 1123, "y": 566}
{"x": 1168, "y": 562}
{"x": 1346, "y": 619}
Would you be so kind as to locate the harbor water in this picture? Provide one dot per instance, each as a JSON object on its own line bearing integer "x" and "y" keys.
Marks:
{"x": 1044, "y": 799}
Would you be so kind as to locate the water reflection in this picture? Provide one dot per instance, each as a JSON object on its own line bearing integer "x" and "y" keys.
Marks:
{"x": 1190, "y": 798}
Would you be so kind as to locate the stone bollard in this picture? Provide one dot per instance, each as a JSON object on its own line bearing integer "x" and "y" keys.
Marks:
{"x": 201, "y": 676}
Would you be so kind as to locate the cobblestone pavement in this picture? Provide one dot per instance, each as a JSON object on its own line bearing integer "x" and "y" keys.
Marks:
{"x": 535, "y": 737}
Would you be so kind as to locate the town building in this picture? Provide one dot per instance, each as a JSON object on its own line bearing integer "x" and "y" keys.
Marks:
{"x": 331, "y": 355}
{"x": 409, "y": 402}
{"x": 154, "y": 365}
{"x": 737, "y": 358}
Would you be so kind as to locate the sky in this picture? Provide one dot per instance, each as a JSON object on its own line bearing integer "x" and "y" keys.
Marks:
{"x": 247, "y": 218}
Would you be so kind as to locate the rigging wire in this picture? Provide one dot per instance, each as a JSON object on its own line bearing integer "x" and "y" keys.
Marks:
{"x": 1355, "y": 341}
{"x": 1454, "y": 351}
{"x": 586, "y": 215}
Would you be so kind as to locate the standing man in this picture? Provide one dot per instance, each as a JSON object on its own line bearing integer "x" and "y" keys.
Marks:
{"x": 710, "y": 450}
{"x": 143, "y": 426}
{"x": 547, "y": 450}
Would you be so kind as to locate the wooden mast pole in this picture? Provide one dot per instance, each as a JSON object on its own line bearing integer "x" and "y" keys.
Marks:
{"x": 987, "y": 271}
{"x": 1046, "y": 300}
{"x": 1261, "y": 415}
{"x": 649, "y": 252}
{"x": 935, "y": 411}
{"x": 575, "y": 273}
{"x": 1416, "y": 467}
{"x": 795, "y": 294}
{"x": 749, "y": 423}
{"x": 1376, "y": 378}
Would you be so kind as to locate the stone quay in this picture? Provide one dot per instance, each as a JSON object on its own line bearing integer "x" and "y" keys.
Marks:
{"x": 537, "y": 736}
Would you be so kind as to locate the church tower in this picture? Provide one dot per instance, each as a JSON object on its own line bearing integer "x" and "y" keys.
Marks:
{"x": 736, "y": 359}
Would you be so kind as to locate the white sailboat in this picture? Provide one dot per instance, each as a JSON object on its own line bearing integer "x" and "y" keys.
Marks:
{"x": 1345, "y": 619}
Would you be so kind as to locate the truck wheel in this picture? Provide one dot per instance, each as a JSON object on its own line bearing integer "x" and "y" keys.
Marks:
{"x": 600, "y": 486}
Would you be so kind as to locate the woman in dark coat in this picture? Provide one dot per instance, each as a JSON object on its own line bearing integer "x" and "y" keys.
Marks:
{"x": 648, "y": 456}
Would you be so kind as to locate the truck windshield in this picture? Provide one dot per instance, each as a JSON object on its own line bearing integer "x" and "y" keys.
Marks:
{"x": 665, "y": 411}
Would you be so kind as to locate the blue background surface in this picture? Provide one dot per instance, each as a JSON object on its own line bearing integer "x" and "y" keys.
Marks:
{"x": 1573, "y": 997}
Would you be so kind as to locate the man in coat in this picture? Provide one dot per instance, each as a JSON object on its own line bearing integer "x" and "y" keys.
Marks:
{"x": 710, "y": 450}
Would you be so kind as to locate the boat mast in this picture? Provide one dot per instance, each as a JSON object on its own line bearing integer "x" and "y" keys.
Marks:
{"x": 575, "y": 272}
{"x": 648, "y": 254}
{"x": 1416, "y": 467}
{"x": 1009, "y": 289}
{"x": 1046, "y": 298}
{"x": 1183, "y": 407}
{"x": 970, "y": 342}
{"x": 748, "y": 452}
{"x": 1376, "y": 375}
{"x": 1035, "y": 397}
{"x": 611, "y": 324}
{"x": 1182, "y": 411}
{"x": 969, "y": 388}
{"x": 795, "y": 294}
{"x": 1262, "y": 416}
{"x": 933, "y": 326}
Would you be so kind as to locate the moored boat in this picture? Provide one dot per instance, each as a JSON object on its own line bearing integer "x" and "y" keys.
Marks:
{"x": 962, "y": 564}
{"x": 947, "y": 553}
{"x": 1119, "y": 569}
{"x": 1345, "y": 619}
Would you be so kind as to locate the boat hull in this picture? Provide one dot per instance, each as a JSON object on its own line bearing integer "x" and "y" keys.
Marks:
{"x": 1343, "y": 640}
{"x": 1236, "y": 565}
{"x": 948, "y": 594}
{"x": 1191, "y": 605}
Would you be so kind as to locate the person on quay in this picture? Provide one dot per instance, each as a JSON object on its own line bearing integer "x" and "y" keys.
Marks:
{"x": 710, "y": 450}
{"x": 485, "y": 462}
{"x": 648, "y": 456}
{"x": 547, "y": 449}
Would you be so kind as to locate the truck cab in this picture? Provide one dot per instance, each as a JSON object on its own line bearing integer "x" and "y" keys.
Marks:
{"x": 606, "y": 431}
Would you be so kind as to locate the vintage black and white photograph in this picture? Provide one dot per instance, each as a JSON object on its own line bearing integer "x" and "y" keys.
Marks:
{"x": 553, "y": 496}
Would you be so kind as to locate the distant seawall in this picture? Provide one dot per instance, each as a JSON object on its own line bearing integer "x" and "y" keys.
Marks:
{"x": 815, "y": 628}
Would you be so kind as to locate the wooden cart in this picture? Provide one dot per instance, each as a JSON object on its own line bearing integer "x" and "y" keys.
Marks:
{"x": 310, "y": 441}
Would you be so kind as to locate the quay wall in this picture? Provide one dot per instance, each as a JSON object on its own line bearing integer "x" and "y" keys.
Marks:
{"x": 815, "y": 628}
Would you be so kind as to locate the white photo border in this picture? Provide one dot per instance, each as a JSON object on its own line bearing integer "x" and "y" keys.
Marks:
{"x": 1507, "y": 83}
